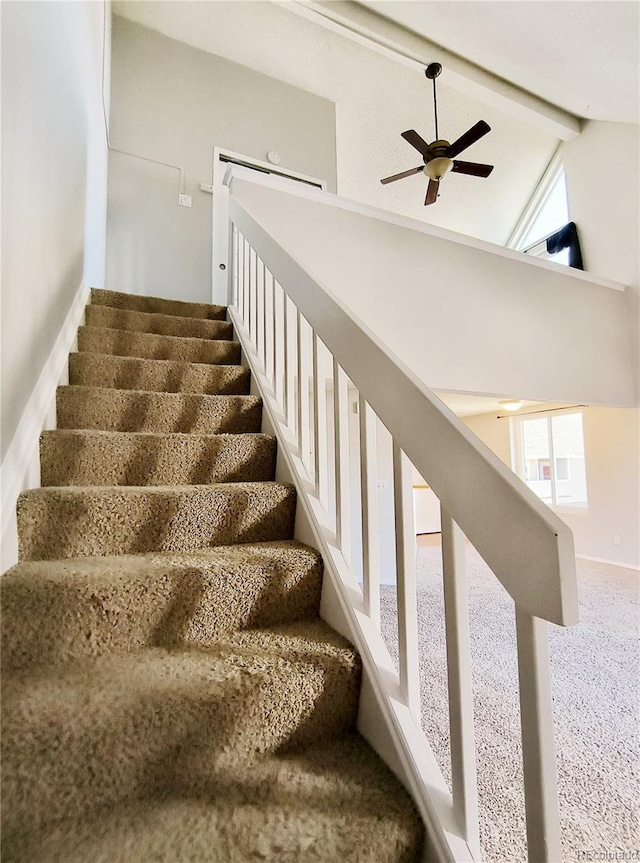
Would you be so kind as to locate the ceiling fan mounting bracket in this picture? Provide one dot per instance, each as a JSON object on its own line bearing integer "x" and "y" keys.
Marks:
{"x": 433, "y": 70}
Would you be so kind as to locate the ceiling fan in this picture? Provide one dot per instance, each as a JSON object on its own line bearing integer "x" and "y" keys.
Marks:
{"x": 438, "y": 157}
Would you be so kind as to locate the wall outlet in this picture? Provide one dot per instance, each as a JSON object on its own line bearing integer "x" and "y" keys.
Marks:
{"x": 616, "y": 539}
{"x": 382, "y": 483}
{"x": 206, "y": 187}
{"x": 184, "y": 200}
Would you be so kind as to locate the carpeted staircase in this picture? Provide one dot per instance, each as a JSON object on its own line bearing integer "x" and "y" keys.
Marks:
{"x": 170, "y": 693}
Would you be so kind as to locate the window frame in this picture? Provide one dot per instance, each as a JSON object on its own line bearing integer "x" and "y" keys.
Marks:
{"x": 532, "y": 210}
{"x": 518, "y": 461}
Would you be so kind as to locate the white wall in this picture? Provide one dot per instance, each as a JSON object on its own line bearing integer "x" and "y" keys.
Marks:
{"x": 612, "y": 455}
{"x": 462, "y": 315}
{"x": 376, "y": 97}
{"x": 173, "y": 103}
{"x": 602, "y": 168}
{"x": 54, "y": 158}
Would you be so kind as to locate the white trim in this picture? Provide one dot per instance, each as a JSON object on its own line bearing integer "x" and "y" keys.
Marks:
{"x": 609, "y": 562}
{"x": 20, "y": 467}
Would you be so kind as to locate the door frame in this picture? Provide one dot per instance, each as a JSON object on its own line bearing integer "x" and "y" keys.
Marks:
{"x": 222, "y": 159}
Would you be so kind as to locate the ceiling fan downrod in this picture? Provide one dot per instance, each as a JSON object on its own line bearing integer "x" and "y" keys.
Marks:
{"x": 432, "y": 71}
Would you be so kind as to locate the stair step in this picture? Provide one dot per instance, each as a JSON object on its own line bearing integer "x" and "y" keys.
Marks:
{"x": 75, "y": 521}
{"x": 79, "y": 457}
{"x": 169, "y": 376}
{"x": 56, "y": 611}
{"x": 93, "y": 732}
{"x": 137, "y": 303}
{"x": 123, "y": 343}
{"x": 152, "y": 322}
{"x": 331, "y": 803}
{"x": 104, "y": 409}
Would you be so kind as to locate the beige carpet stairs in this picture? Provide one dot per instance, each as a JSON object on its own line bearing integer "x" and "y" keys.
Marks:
{"x": 169, "y": 691}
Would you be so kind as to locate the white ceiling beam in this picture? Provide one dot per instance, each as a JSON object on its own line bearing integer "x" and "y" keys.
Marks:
{"x": 368, "y": 28}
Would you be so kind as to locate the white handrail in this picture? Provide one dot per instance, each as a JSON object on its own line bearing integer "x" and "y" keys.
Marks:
{"x": 529, "y": 549}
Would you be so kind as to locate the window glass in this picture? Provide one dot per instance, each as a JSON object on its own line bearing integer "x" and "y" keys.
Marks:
{"x": 550, "y": 458}
{"x": 568, "y": 446}
{"x": 553, "y": 214}
{"x": 535, "y": 441}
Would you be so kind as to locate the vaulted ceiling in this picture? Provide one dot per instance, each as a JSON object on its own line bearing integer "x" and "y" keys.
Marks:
{"x": 581, "y": 56}
{"x": 378, "y": 94}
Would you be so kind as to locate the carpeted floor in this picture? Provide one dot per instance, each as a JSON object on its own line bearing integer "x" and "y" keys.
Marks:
{"x": 596, "y": 700}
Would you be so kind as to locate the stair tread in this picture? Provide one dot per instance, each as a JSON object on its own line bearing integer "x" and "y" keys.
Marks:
{"x": 157, "y": 375}
{"x": 155, "y": 395}
{"x": 329, "y": 803}
{"x": 90, "y": 457}
{"x": 86, "y": 606}
{"x": 111, "y": 409}
{"x": 105, "y": 340}
{"x": 178, "y": 339}
{"x": 103, "y": 729}
{"x": 157, "y": 323}
{"x": 102, "y": 434}
{"x": 137, "y": 302}
{"x": 72, "y": 521}
{"x": 153, "y": 668}
{"x": 169, "y": 488}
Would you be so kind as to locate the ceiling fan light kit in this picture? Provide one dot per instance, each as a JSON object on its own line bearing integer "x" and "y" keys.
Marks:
{"x": 438, "y": 157}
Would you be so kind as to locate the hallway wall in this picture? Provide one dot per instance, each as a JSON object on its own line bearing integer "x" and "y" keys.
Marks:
{"x": 173, "y": 103}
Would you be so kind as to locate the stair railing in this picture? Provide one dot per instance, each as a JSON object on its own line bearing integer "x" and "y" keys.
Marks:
{"x": 303, "y": 346}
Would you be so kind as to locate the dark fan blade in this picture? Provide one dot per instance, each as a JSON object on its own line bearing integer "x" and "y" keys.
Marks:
{"x": 470, "y": 137}
{"x": 402, "y": 175}
{"x": 432, "y": 192}
{"x": 476, "y": 169}
{"x": 416, "y": 141}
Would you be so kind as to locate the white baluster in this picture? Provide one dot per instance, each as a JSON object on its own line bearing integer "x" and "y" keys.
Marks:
{"x": 262, "y": 329}
{"x": 369, "y": 497}
{"x": 246, "y": 279}
{"x": 538, "y": 747}
{"x": 299, "y": 385}
{"x": 341, "y": 438}
{"x": 456, "y": 613}
{"x": 233, "y": 299}
{"x": 274, "y": 333}
{"x": 406, "y": 574}
{"x": 285, "y": 347}
{"x": 253, "y": 291}
{"x": 319, "y": 426}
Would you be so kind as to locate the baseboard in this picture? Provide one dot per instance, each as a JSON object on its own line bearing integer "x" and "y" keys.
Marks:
{"x": 20, "y": 467}
{"x": 609, "y": 562}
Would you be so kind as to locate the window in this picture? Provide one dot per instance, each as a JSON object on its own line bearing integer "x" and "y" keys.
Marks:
{"x": 546, "y": 213}
{"x": 549, "y": 456}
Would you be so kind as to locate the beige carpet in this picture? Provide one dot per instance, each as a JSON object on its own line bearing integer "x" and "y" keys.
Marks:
{"x": 169, "y": 691}
{"x": 596, "y": 689}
